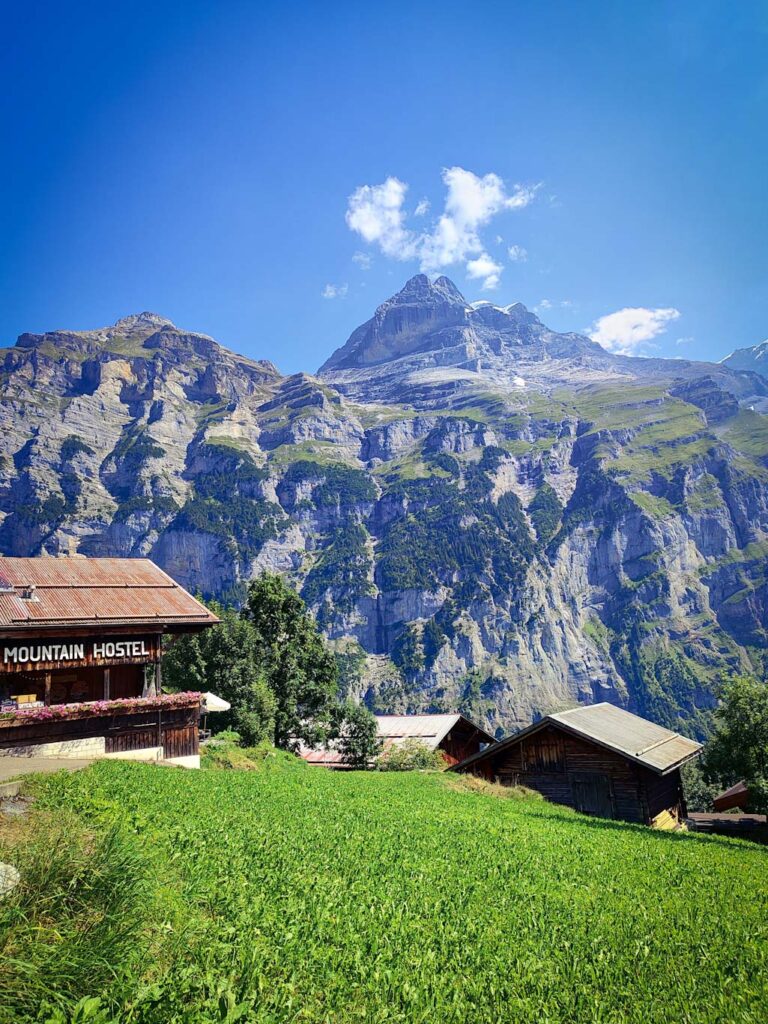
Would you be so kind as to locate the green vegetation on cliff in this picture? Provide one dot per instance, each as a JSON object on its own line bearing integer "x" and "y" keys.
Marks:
{"x": 449, "y": 532}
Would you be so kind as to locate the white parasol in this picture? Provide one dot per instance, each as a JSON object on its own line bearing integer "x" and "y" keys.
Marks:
{"x": 213, "y": 703}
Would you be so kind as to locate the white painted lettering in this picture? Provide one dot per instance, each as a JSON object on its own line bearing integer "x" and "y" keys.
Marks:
{"x": 51, "y": 653}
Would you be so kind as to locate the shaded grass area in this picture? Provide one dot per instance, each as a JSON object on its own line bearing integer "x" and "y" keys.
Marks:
{"x": 415, "y": 898}
{"x": 91, "y": 914}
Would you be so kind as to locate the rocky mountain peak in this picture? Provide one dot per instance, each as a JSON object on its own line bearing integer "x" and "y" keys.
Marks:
{"x": 142, "y": 322}
{"x": 540, "y": 521}
{"x": 402, "y": 323}
{"x": 428, "y": 334}
{"x": 419, "y": 288}
{"x": 754, "y": 358}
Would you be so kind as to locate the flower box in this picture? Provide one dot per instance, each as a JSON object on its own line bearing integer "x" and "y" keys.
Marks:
{"x": 100, "y": 708}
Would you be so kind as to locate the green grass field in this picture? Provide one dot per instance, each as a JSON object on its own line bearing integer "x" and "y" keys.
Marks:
{"x": 299, "y": 895}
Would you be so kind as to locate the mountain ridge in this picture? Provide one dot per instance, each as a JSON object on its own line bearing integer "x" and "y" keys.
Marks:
{"x": 753, "y": 358}
{"x": 466, "y": 539}
{"x": 431, "y": 326}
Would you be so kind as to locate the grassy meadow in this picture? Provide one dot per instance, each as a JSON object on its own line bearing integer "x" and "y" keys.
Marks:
{"x": 289, "y": 894}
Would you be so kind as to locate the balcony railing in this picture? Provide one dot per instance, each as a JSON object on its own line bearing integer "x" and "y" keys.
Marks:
{"x": 100, "y": 708}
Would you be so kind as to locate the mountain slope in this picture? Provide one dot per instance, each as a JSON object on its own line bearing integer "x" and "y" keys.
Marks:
{"x": 484, "y": 514}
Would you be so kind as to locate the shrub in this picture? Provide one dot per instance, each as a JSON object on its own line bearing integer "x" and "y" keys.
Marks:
{"x": 225, "y": 751}
{"x": 411, "y": 756}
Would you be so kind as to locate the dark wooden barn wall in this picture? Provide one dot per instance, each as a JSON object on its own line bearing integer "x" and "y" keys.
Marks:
{"x": 664, "y": 792}
{"x": 569, "y": 770}
{"x": 460, "y": 743}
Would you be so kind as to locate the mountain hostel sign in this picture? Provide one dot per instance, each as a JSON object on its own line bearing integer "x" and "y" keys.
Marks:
{"x": 48, "y": 655}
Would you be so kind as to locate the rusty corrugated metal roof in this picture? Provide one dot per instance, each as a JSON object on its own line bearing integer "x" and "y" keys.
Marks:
{"x": 324, "y": 757}
{"x": 92, "y": 591}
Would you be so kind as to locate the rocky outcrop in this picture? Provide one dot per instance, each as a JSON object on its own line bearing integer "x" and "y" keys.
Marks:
{"x": 482, "y": 513}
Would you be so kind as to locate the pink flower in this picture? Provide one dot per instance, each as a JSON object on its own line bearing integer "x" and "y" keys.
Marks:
{"x": 122, "y": 705}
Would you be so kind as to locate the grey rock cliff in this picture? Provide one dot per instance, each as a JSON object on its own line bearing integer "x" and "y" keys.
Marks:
{"x": 483, "y": 514}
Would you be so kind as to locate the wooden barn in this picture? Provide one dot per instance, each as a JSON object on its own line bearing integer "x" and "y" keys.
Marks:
{"x": 80, "y": 660}
{"x": 455, "y": 735}
{"x": 598, "y": 759}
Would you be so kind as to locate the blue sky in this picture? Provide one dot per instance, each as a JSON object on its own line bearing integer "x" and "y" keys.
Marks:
{"x": 198, "y": 160}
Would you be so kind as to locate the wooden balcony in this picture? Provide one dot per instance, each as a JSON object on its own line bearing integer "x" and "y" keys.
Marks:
{"x": 140, "y": 728}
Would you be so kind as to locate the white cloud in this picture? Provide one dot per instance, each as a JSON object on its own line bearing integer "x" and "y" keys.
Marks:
{"x": 688, "y": 340}
{"x": 376, "y": 213}
{"x": 363, "y": 260}
{"x": 627, "y": 330}
{"x": 544, "y": 304}
{"x": 335, "y": 291}
{"x": 487, "y": 269}
{"x": 517, "y": 253}
{"x": 422, "y": 208}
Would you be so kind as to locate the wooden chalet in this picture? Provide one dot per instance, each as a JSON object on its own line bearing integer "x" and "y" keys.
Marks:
{"x": 455, "y": 735}
{"x": 80, "y": 659}
{"x": 598, "y": 759}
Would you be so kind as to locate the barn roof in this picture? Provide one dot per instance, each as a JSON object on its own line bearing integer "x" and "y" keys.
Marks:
{"x": 735, "y": 796}
{"x": 48, "y": 593}
{"x": 635, "y": 738}
{"x": 429, "y": 729}
{"x": 392, "y": 729}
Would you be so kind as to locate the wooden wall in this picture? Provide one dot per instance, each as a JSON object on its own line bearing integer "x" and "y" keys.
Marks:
{"x": 461, "y": 742}
{"x": 571, "y": 771}
{"x": 177, "y": 732}
{"x": 73, "y": 685}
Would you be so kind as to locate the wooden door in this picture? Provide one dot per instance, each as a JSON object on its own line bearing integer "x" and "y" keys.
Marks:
{"x": 592, "y": 794}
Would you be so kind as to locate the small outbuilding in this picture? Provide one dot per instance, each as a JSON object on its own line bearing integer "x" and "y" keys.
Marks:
{"x": 457, "y": 737}
{"x": 598, "y": 759}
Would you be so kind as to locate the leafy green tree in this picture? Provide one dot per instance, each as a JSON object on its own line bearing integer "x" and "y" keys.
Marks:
{"x": 297, "y": 664}
{"x": 356, "y": 734}
{"x": 225, "y": 660}
{"x": 699, "y": 795}
{"x": 739, "y": 748}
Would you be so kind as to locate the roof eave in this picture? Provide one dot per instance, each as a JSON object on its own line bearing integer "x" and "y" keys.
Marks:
{"x": 536, "y": 726}
{"x": 158, "y": 625}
